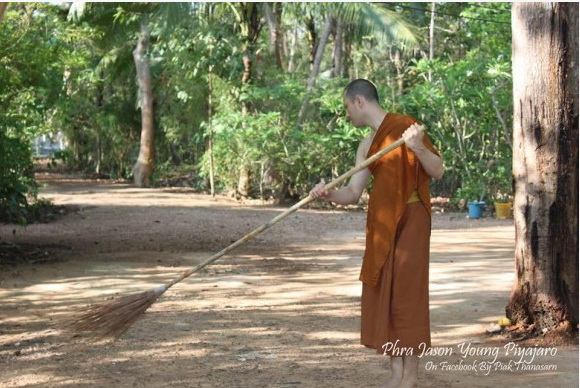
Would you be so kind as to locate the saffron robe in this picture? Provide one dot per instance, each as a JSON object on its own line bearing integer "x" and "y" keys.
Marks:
{"x": 395, "y": 270}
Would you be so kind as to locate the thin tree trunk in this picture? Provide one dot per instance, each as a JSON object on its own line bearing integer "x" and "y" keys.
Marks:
{"x": 324, "y": 35}
{"x": 431, "y": 38}
{"x": 210, "y": 135}
{"x": 338, "y": 52}
{"x": 347, "y": 57}
{"x": 396, "y": 59}
{"x": 545, "y": 68}
{"x": 292, "y": 54}
{"x": 315, "y": 70}
{"x": 143, "y": 169}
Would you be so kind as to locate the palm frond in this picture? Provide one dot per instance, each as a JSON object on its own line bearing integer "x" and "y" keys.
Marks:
{"x": 375, "y": 19}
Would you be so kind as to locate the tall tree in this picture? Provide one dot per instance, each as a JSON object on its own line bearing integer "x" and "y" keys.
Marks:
{"x": 145, "y": 164}
{"x": 249, "y": 20}
{"x": 545, "y": 164}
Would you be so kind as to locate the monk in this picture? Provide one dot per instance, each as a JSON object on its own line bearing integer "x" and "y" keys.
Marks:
{"x": 395, "y": 268}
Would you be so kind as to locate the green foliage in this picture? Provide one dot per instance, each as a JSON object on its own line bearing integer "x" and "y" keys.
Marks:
{"x": 79, "y": 78}
{"x": 29, "y": 75}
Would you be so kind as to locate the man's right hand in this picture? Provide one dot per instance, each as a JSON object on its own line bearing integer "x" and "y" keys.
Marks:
{"x": 319, "y": 191}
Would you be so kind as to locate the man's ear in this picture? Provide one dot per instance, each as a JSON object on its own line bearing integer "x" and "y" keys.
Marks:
{"x": 359, "y": 100}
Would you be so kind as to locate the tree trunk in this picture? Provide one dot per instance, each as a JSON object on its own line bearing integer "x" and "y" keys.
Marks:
{"x": 292, "y": 54}
{"x": 324, "y": 35}
{"x": 545, "y": 68}
{"x": 252, "y": 25}
{"x": 399, "y": 69}
{"x": 312, "y": 36}
{"x": 3, "y": 7}
{"x": 273, "y": 17}
{"x": 338, "y": 52}
{"x": 346, "y": 57}
{"x": 143, "y": 169}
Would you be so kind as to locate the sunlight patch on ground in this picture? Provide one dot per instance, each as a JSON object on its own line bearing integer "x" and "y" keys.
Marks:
{"x": 340, "y": 335}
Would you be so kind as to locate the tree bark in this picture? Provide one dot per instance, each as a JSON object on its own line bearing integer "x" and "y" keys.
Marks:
{"x": 545, "y": 165}
{"x": 143, "y": 169}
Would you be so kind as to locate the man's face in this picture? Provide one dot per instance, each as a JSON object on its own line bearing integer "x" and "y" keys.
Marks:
{"x": 352, "y": 110}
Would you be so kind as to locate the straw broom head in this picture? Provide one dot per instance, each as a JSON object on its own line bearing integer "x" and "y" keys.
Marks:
{"x": 113, "y": 318}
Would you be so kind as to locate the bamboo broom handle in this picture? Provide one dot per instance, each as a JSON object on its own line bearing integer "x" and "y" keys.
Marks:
{"x": 283, "y": 215}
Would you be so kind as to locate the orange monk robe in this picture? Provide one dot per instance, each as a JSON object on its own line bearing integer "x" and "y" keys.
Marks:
{"x": 396, "y": 176}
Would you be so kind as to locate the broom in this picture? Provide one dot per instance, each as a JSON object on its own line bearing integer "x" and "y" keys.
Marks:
{"x": 112, "y": 318}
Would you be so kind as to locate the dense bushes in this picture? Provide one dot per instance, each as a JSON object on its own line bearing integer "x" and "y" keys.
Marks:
{"x": 16, "y": 179}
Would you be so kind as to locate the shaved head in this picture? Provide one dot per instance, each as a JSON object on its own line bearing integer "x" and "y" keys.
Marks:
{"x": 363, "y": 88}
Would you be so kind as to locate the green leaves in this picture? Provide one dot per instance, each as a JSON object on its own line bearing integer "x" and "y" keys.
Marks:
{"x": 467, "y": 109}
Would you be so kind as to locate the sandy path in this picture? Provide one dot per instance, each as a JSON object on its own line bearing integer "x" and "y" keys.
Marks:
{"x": 280, "y": 311}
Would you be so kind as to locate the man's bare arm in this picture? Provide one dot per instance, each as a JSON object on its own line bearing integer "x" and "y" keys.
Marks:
{"x": 351, "y": 193}
{"x": 432, "y": 163}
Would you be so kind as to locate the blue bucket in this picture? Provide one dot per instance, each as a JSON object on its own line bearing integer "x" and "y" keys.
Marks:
{"x": 475, "y": 209}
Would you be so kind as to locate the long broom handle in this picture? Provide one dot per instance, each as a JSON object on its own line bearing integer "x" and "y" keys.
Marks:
{"x": 283, "y": 215}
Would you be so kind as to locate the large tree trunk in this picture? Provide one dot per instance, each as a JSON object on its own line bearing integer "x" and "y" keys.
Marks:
{"x": 545, "y": 68}
{"x": 143, "y": 169}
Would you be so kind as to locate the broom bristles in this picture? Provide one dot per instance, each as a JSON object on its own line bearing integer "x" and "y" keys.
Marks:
{"x": 113, "y": 318}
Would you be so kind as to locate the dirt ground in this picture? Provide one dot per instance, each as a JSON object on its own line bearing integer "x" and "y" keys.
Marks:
{"x": 281, "y": 310}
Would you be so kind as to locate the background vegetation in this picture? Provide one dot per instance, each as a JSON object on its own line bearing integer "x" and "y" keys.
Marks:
{"x": 247, "y": 96}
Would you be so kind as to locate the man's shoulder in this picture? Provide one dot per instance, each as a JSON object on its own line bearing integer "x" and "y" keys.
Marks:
{"x": 402, "y": 118}
{"x": 365, "y": 143}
